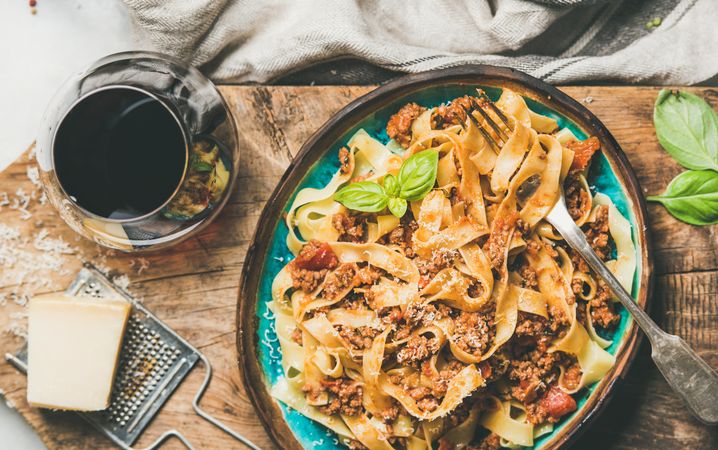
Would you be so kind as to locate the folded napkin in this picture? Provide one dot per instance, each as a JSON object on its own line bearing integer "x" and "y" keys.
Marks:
{"x": 560, "y": 41}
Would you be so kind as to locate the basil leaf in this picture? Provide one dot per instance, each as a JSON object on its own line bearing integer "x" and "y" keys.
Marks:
{"x": 687, "y": 127}
{"x": 365, "y": 196}
{"x": 692, "y": 197}
{"x": 391, "y": 185}
{"x": 418, "y": 175}
{"x": 397, "y": 206}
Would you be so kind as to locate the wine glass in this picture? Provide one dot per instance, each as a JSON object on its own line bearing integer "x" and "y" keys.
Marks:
{"x": 91, "y": 191}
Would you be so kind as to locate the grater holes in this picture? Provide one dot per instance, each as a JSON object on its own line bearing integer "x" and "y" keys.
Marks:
{"x": 145, "y": 359}
{"x": 91, "y": 289}
{"x": 151, "y": 365}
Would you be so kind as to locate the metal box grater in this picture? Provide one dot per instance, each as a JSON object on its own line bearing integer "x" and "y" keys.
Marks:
{"x": 153, "y": 362}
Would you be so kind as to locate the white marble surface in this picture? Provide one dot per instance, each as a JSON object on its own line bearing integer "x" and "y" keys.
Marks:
{"x": 39, "y": 52}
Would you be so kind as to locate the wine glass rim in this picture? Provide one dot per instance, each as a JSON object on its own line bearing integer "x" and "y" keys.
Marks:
{"x": 185, "y": 139}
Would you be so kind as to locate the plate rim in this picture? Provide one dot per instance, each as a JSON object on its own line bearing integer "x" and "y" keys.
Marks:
{"x": 246, "y": 321}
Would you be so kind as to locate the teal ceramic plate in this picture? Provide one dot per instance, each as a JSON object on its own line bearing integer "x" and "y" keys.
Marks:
{"x": 610, "y": 173}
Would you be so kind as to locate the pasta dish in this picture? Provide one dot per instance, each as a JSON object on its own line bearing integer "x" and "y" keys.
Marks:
{"x": 430, "y": 305}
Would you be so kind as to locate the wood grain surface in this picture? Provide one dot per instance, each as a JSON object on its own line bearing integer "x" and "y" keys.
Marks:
{"x": 193, "y": 287}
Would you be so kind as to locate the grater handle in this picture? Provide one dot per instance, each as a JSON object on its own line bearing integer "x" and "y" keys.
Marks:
{"x": 22, "y": 367}
{"x": 208, "y": 417}
{"x": 165, "y": 436}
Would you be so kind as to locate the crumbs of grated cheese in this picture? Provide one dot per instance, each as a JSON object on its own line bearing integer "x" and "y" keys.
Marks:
{"x": 18, "y": 325}
{"x": 20, "y": 203}
{"x": 46, "y": 244}
{"x": 33, "y": 174}
{"x": 121, "y": 281}
{"x": 19, "y": 299}
{"x": 30, "y": 263}
{"x": 26, "y": 268}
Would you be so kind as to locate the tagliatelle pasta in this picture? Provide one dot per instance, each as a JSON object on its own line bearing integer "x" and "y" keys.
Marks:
{"x": 457, "y": 318}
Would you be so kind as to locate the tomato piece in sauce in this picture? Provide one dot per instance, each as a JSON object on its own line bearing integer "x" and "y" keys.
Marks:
{"x": 485, "y": 370}
{"x": 558, "y": 403}
{"x": 316, "y": 255}
{"x": 583, "y": 152}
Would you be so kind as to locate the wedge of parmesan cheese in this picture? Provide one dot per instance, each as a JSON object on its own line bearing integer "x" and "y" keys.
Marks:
{"x": 73, "y": 349}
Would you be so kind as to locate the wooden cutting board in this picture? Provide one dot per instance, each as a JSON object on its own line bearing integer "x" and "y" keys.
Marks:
{"x": 193, "y": 287}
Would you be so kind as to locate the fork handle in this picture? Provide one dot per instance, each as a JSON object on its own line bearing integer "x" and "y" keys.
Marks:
{"x": 687, "y": 374}
{"x": 567, "y": 228}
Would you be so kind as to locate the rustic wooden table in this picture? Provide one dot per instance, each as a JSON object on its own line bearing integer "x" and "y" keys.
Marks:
{"x": 193, "y": 287}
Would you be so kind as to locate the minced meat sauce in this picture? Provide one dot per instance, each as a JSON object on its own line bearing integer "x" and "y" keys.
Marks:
{"x": 311, "y": 265}
{"x": 439, "y": 260}
{"x": 399, "y": 125}
{"x": 578, "y": 201}
{"x": 359, "y": 338}
{"x": 473, "y": 331}
{"x": 402, "y": 235}
{"x": 603, "y": 310}
{"x": 351, "y": 227}
{"x": 453, "y": 113}
{"x": 417, "y": 349}
{"x": 346, "y": 397}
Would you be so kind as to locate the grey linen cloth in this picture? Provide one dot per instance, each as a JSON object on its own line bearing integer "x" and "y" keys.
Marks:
{"x": 560, "y": 41}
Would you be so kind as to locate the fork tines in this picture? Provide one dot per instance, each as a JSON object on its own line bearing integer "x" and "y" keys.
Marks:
{"x": 494, "y": 126}
{"x": 484, "y": 132}
{"x": 482, "y": 95}
{"x": 480, "y": 105}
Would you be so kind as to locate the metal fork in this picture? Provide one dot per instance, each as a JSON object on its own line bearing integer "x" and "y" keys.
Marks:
{"x": 476, "y": 106}
{"x": 687, "y": 374}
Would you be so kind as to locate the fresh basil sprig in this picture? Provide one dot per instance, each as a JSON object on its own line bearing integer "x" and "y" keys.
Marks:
{"x": 417, "y": 176}
{"x": 391, "y": 185}
{"x": 397, "y": 206}
{"x": 364, "y": 196}
{"x": 687, "y": 127}
{"x": 692, "y": 197}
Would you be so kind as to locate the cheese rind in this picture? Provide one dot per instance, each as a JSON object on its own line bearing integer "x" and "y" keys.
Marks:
{"x": 73, "y": 348}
